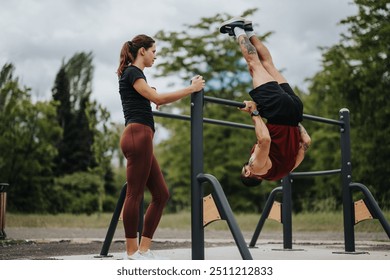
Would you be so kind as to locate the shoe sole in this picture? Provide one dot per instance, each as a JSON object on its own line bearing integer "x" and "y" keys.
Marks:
{"x": 229, "y": 25}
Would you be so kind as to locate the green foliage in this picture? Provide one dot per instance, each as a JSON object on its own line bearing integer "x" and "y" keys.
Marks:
{"x": 88, "y": 142}
{"x": 355, "y": 75}
{"x": 59, "y": 141}
{"x": 27, "y": 145}
{"x": 72, "y": 90}
{"x": 80, "y": 192}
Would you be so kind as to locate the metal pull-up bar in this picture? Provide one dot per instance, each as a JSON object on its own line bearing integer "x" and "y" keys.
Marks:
{"x": 205, "y": 120}
{"x": 242, "y": 105}
{"x": 197, "y": 120}
{"x": 197, "y": 233}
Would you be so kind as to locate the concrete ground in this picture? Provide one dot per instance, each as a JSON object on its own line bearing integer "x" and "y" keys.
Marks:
{"x": 263, "y": 251}
{"x": 221, "y": 246}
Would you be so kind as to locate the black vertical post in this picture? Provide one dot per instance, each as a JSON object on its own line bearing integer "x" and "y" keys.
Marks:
{"x": 346, "y": 177}
{"x": 141, "y": 219}
{"x": 287, "y": 212}
{"x": 197, "y": 230}
{"x": 3, "y": 204}
{"x": 264, "y": 215}
{"x": 114, "y": 222}
{"x": 115, "y": 218}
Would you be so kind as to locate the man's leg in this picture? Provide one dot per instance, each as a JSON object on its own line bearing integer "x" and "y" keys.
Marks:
{"x": 256, "y": 69}
{"x": 266, "y": 59}
{"x": 254, "y": 53}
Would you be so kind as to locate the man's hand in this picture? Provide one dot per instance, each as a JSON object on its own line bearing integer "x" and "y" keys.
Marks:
{"x": 250, "y": 106}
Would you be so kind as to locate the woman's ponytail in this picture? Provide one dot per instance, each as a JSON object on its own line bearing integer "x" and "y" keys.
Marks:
{"x": 125, "y": 57}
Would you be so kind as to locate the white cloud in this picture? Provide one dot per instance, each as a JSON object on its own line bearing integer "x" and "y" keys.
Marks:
{"x": 36, "y": 35}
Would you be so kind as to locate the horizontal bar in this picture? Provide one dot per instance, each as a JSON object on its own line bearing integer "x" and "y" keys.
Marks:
{"x": 206, "y": 120}
{"x": 238, "y": 125}
{"x": 224, "y": 102}
{"x": 171, "y": 116}
{"x": 322, "y": 120}
{"x": 315, "y": 173}
{"x": 242, "y": 105}
{"x": 230, "y": 124}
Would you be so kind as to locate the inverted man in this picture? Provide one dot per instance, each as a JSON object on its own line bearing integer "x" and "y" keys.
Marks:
{"x": 282, "y": 141}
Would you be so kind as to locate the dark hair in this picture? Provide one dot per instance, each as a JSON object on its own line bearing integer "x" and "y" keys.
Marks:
{"x": 249, "y": 181}
{"x": 130, "y": 49}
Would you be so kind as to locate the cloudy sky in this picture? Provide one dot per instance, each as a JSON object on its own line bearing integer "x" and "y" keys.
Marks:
{"x": 36, "y": 35}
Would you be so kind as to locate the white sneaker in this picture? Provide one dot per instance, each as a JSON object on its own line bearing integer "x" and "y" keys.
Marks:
{"x": 136, "y": 256}
{"x": 149, "y": 255}
{"x": 229, "y": 25}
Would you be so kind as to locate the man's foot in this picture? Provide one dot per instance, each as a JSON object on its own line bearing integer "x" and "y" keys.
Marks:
{"x": 229, "y": 25}
{"x": 248, "y": 25}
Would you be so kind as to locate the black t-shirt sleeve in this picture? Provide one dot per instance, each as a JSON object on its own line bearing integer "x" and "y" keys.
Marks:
{"x": 134, "y": 74}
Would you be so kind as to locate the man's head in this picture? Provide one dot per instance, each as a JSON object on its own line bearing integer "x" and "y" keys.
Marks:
{"x": 247, "y": 178}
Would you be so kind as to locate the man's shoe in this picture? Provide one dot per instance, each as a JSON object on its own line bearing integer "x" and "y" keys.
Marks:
{"x": 248, "y": 25}
{"x": 229, "y": 25}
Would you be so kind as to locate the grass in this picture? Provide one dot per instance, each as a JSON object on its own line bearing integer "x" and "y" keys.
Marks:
{"x": 332, "y": 222}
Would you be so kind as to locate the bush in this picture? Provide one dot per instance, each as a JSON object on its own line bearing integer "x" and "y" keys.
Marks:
{"x": 80, "y": 192}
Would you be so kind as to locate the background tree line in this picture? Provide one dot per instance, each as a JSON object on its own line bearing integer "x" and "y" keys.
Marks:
{"x": 57, "y": 155}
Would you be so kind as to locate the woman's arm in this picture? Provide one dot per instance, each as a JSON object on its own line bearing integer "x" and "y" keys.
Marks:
{"x": 140, "y": 85}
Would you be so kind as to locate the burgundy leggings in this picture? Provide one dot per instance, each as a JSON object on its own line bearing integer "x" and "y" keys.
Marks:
{"x": 142, "y": 171}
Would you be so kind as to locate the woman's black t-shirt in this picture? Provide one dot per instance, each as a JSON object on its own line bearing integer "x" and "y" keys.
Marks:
{"x": 136, "y": 108}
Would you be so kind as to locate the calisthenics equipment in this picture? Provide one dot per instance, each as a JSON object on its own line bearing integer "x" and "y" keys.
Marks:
{"x": 354, "y": 212}
{"x": 205, "y": 210}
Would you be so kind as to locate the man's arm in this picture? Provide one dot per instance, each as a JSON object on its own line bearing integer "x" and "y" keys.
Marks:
{"x": 305, "y": 138}
{"x": 261, "y": 153}
{"x": 300, "y": 156}
{"x": 304, "y": 145}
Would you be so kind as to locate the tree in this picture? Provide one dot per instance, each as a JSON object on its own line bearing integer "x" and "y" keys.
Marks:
{"x": 355, "y": 74}
{"x": 61, "y": 95}
{"x": 27, "y": 146}
{"x": 200, "y": 49}
{"x": 72, "y": 90}
{"x": 87, "y": 145}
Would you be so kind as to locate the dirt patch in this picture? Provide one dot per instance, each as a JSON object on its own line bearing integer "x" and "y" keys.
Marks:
{"x": 31, "y": 250}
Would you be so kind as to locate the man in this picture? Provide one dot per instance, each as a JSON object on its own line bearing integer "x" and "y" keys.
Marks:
{"x": 282, "y": 141}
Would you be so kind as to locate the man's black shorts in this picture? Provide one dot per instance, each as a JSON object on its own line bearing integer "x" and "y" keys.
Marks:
{"x": 278, "y": 103}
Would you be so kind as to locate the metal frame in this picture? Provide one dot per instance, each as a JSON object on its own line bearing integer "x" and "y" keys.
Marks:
{"x": 114, "y": 222}
{"x": 346, "y": 180}
{"x": 198, "y": 178}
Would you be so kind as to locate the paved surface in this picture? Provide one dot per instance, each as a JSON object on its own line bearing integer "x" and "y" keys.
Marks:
{"x": 164, "y": 233}
{"x": 306, "y": 245}
{"x": 264, "y": 251}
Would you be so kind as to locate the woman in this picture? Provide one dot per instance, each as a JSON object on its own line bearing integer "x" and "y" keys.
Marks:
{"x": 137, "y": 142}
